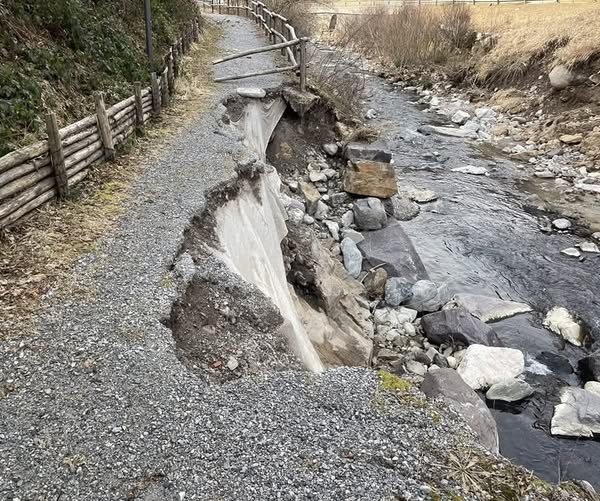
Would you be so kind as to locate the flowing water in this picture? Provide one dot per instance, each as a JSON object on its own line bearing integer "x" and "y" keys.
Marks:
{"x": 483, "y": 236}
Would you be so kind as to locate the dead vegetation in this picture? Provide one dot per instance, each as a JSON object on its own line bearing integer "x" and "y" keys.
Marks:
{"x": 38, "y": 255}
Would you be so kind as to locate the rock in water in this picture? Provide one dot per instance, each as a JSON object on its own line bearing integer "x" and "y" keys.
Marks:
{"x": 487, "y": 308}
{"x": 422, "y": 196}
{"x": 369, "y": 214}
{"x": 369, "y": 178}
{"x": 589, "y": 367}
{"x": 509, "y": 390}
{"x": 252, "y": 92}
{"x": 447, "y": 131}
{"x": 401, "y": 208}
{"x": 393, "y": 248}
{"x": 561, "y": 322}
{"x": 578, "y": 414}
{"x": 589, "y": 247}
{"x": 460, "y": 117}
{"x": 471, "y": 169}
{"x": 571, "y": 252}
{"x": 449, "y": 386}
{"x": 458, "y": 326}
{"x": 366, "y": 151}
{"x": 483, "y": 366}
{"x": 593, "y": 386}
{"x": 426, "y": 296}
{"x": 397, "y": 291}
{"x": 352, "y": 257}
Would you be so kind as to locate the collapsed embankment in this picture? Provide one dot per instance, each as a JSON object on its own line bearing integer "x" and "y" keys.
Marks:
{"x": 283, "y": 241}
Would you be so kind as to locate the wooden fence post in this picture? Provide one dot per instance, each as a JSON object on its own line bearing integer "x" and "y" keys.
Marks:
{"x": 155, "y": 95}
{"x": 164, "y": 88}
{"x": 302, "y": 64}
{"x": 195, "y": 31}
{"x": 104, "y": 127}
{"x": 139, "y": 109}
{"x": 170, "y": 72}
{"x": 175, "y": 60}
{"x": 57, "y": 157}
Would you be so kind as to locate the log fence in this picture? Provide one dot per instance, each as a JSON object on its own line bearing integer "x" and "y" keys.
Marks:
{"x": 38, "y": 173}
{"x": 281, "y": 34}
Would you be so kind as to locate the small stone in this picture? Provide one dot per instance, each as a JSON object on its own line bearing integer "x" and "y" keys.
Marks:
{"x": 423, "y": 196}
{"x": 589, "y": 247}
{"x": 416, "y": 367}
{"x": 561, "y": 224}
{"x": 353, "y": 235}
{"x": 232, "y": 363}
{"x": 308, "y": 219}
{"x": 402, "y": 208}
{"x": 322, "y": 210}
{"x": 293, "y": 186}
{"x": 334, "y": 229}
{"x": 347, "y": 219}
{"x": 352, "y": 257}
{"x": 571, "y": 138}
{"x": 460, "y": 117}
{"x": 369, "y": 214}
{"x": 571, "y": 252}
{"x": 317, "y": 177}
{"x": 331, "y": 149}
{"x": 544, "y": 174}
{"x": 561, "y": 322}
{"x": 485, "y": 113}
{"x": 311, "y": 196}
{"x": 596, "y": 236}
{"x": 397, "y": 291}
{"x": 593, "y": 386}
{"x": 509, "y": 390}
{"x": 371, "y": 114}
{"x": 375, "y": 283}
{"x": 330, "y": 173}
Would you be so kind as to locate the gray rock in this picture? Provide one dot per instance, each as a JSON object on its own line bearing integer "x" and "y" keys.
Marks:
{"x": 397, "y": 291}
{"x": 589, "y": 367}
{"x": 347, "y": 219}
{"x": 483, "y": 366}
{"x": 450, "y": 387}
{"x": 352, "y": 257}
{"x": 252, "y": 92}
{"x": 561, "y": 224}
{"x": 561, "y": 322}
{"x": 423, "y": 196}
{"x": 448, "y": 131}
{"x": 232, "y": 363}
{"x": 487, "y": 308}
{"x": 460, "y": 117}
{"x": 371, "y": 114}
{"x": 369, "y": 214}
{"x": 578, "y": 414}
{"x": 485, "y": 113}
{"x": 596, "y": 236}
{"x": 415, "y": 367}
{"x": 308, "y": 219}
{"x": 393, "y": 248}
{"x": 334, "y": 230}
{"x": 375, "y": 283}
{"x": 322, "y": 210}
{"x": 365, "y": 151}
{"x": 510, "y": 390}
{"x": 331, "y": 149}
{"x": 561, "y": 77}
{"x": 590, "y": 247}
{"x": 317, "y": 177}
{"x": 395, "y": 318}
{"x": 571, "y": 252}
{"x": 457, "y": 326}
{"x": 471, "y": 169}
{"x": 401, "y": 208}
{"x": 593, "y": 386}
{"x": 353, "y": 234}
{"x": 426, "y": 296}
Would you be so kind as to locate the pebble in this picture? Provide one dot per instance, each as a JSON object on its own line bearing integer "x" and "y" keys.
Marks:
{"x": 588, "y": 247}
{"x": 571, "y": 251}
{"x": 561, "y": 224}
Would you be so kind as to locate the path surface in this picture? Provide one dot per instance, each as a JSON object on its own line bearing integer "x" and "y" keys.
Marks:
{"x": 101, "y": 407}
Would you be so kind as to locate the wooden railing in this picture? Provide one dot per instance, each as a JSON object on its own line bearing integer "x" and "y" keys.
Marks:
{"x": 277, "y": 28}
{"x": 33, "y": 175}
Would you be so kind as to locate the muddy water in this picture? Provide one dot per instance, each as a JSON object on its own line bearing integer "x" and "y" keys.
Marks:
{"x": 483, "y": 236}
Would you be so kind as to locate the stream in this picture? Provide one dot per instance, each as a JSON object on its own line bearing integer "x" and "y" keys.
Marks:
{"x": 483, "y": 236}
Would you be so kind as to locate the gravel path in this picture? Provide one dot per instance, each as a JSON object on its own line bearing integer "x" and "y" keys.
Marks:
{"x": 98, "y": 406}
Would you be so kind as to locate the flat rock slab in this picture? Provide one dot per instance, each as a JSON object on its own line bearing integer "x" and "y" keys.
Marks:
{"x": 487, "y": 308}
{"x": 364, "y": 151}
{"x": 578, "y": 414}
{"x": 370, "y": 178}
{"x": 252, "y": 92}
{"x": 484, "y": 366}
{"x": 392, "y": 247}
{"x": 458, "y": 326}
{"x": 510, "y": 390}
{"x": 448, "y": 131}
{"x": 450, "y": 387}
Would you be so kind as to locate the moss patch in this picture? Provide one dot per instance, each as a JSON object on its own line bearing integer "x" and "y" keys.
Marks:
{"x": 390, "y": 381}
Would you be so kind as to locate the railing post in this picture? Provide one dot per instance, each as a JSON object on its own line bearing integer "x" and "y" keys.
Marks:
{"x": 212, "y": 6}
{"x": 155, "y": 95}
{"x": 171, "y": 71}
{"x": 139, "y": 109}
{"x": 303, "y": 65}
{"x": 175, "y": 57}
{"x": 104, "y": 127}
{"x": 164, "y": 89}
{"x": 57, "y": 157}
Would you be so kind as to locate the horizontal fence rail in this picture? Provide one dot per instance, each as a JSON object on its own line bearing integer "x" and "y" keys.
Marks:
{"x": 277, "y": 28}
{"x": 38, "y": 173}
{"x": 355, "y": 6}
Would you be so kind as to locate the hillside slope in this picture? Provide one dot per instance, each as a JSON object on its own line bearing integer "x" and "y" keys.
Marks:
{"x": 55, "y": 53}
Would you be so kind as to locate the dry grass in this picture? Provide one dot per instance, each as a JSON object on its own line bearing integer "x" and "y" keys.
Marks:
{"x": 39, "y": 254}
{"x": 562, "y": 33}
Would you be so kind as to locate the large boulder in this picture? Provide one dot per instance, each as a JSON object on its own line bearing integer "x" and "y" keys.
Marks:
{"x": 392, "y": 247}
{"x": 561, "y": 322}
{"x": 562, "y": 77}
{"x": 370, "y": 178}
{"x": 397, "y": 291}
{"x": 427, "y": 296}
{"x": 369, "y": 214}
{"x": 589, "y": 367}
{"x": 450, "y": 387}
{"x": 578, "y": 414}
{"x": 458, "y": 326}
{"x": 487, "y": 308}
{"x": 367, "y": 151}
{"x": 401, "y": 208}
{"x": 484, "y": 366}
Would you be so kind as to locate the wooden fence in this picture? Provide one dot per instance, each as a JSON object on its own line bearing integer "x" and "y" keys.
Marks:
{"x": 276, "y": 27}
{"x": 38, "y": 173}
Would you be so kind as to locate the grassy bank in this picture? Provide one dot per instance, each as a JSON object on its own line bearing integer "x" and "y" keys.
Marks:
{"x": 55, "y": 53}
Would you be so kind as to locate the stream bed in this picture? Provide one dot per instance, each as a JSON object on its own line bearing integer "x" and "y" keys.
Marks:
{"x": 483, "y": 236}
